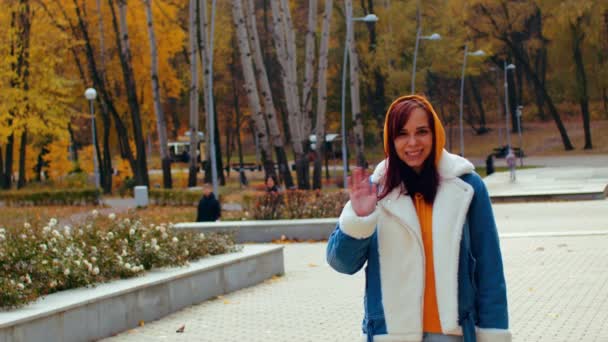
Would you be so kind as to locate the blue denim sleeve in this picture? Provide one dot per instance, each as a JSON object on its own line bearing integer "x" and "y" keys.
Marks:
{"x": 491, "y": 292}
{"x": 346, "y": 254}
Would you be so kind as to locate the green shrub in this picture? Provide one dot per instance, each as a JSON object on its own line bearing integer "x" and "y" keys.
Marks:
{"x": 31, "y": 197}
{"x": 36, "y": 260}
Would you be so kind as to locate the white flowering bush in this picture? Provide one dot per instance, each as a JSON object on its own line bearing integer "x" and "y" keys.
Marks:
{"x": 39, "y": 260}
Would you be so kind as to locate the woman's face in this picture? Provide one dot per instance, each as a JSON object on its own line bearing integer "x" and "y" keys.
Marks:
{"x": 269, "y": 182}
{"x": 415, "y": 140}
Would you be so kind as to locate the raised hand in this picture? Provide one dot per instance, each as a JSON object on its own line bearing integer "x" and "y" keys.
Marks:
{"x": 362, "y": 193}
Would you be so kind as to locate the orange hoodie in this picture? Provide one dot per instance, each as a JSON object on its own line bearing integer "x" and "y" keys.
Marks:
{"x": 424, "y": 210}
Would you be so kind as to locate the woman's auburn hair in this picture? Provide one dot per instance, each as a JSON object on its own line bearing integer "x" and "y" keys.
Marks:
{"x": 398, "y": 173}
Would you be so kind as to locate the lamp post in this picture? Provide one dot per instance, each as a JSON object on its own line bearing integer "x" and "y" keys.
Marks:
{"x": 370, "y": 18}
{"x": 521, "y": 150}
{"x": 477, "y": 53}
{"x": 434, "y": 36}
{"x": 507, "y": 116}
{"x": 91, "y": 95}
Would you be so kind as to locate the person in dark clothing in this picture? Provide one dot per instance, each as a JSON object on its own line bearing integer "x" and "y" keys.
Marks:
{"x": 271, "y": 184}
{"x": 490, "y": 164}
{"x": 209, "y": 209}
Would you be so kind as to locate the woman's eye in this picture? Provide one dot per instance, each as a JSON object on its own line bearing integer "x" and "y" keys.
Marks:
{"x": 422, "y": 133}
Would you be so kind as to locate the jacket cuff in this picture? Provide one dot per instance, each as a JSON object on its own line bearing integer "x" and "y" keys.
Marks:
{"x": 358, "y": 227}
{"x": 493, "y": 335}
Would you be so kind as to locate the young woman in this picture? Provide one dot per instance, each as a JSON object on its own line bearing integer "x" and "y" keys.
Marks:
{"x": 424, "y": 225}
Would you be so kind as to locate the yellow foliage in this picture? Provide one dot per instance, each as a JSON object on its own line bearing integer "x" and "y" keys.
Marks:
{"x": 44, "y": 105}
{"x": 31, "y": 158}
{"x": 85, "y": 159}
{"x": 58, "y": 158}
{"x": 123, "y": 168}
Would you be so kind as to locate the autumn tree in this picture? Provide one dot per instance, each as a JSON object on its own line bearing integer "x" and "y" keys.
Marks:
{"x": 503, "y": 22}
{"x": 161, "y": 123}
{"x": 36, "y": 96}
{"x": 251, "y": 85}
{"x": 266, "y": 93}
{"x": 322, "y": 95}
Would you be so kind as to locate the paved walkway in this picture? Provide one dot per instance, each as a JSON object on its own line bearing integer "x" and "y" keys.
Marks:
{"x": 558, "y": 287}
{"x": 573, "y": 181}
{"x": 556, "y": 264}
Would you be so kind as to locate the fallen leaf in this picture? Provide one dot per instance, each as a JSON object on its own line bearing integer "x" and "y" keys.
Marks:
{"x": 226, "y": 301}
{"x": 312, "y": 265}
{"x": 181, "y": 329}
{"x": 141, "y": 323}
{"x": 540, "y": 249}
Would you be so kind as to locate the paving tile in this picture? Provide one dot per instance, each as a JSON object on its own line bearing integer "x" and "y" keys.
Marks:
{"x": 557, "y": 288}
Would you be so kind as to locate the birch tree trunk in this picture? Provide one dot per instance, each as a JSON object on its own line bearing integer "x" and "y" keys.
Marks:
{"x": 251, "y": 87}
{"x": 269, "y": 108}
{"x": 214, "y": 156}
{"x": 308, "y": 65}
{"x": 141, "y": 171}
{"x": 237, "y": 110}
{"x": 193, "y": 93}
{"x": 161, "y": 123}
{"x": 354, "y": 87}
{"x": 284, "y": 38}
{"x": 322, "y": 96}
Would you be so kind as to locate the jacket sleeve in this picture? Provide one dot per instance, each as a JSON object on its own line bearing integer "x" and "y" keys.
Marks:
{"x": 491, "y": 292}
{"x": 348, "y": 244}
{"x": 218, "y": 210}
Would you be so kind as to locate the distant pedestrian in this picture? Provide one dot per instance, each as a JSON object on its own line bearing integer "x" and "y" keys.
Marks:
{"x": 209, "y": 208}
{"x": 490, "y": 164}
{"x": 271, "y": 184}
{"x": 511, "y": 163}
{"x": 422, "y": 225}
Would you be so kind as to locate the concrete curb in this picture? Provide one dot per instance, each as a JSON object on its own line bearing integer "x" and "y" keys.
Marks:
{"x": 548, "y": 197}
{"x": 553, "y": 234}
{"x": 268, "y": 230}
{"x": 93, "y": 313}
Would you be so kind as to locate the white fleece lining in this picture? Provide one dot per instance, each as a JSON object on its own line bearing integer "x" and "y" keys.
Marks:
{"x": 358, "y": 227}
{"x": 453, "y": 197}
{"x": 401, "y": 253}
{"x": 401, "y": 259}
{"x": 493, "y": 335}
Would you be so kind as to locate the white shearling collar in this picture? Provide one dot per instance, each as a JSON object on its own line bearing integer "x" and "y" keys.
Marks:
{"x": 450, "y": 166}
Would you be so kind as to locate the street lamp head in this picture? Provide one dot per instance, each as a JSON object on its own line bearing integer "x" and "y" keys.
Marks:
{"x": 434, "y": 36}
{"x": 511, "y": 66}
{"x": 90, "y": 94}
{"x": 477, "y": 53}
{"x": 370, "y": 18}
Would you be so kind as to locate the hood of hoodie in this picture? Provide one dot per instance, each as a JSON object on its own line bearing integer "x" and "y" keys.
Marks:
{"x": 448, "y": 165}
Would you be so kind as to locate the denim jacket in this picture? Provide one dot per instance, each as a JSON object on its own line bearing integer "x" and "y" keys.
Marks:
{"x": 470, "y": 284}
